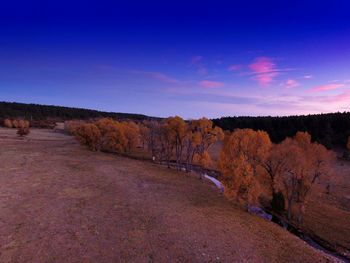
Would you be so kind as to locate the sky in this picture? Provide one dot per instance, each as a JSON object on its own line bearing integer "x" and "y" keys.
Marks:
{"x": 187, "y": 58}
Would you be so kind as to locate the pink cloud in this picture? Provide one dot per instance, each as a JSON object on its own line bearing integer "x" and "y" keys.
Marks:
{"x": 234, "y": 67}
{"x": 210, "y": 84}
{"x": 264, "y": 70}
{"x": 327, "y": 87}
{"x": 291, "y": 83}
{"x": 345, "y": 96}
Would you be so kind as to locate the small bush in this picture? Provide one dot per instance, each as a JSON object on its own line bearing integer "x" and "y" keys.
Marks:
{"x": 71, "y": 127}
{"x": 23, "y": 127}
{"x": 15, "y": 123}
{"x": 8, "y": 123}
{"x": 90, "y": 135}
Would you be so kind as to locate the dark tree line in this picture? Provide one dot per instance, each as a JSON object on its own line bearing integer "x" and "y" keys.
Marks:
{"x": 42, "y": 112}
{"x": 330, "y": 129}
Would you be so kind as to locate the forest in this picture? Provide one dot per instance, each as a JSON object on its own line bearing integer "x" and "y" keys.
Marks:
{"x": 57, "y": 113}
{"x": 330, "y": 129}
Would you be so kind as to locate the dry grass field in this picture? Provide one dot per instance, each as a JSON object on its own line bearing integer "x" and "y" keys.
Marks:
{"x": 60, "y": 202}
{"x": 328, "y": 214}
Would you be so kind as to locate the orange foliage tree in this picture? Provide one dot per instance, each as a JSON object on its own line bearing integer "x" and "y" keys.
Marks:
{"x": 176, "y": 132}
{"x": 90, "y": 135}
{"x": 15, "y": 123}
{"x": 113, "y": 136}
{"x": 23, "y": 127}
{"x": 8, "y": 123}
{"x": 302, "y": 163}
{"x": 241, "y": 163}
{"x": 72, "y": 126}
{"x": 132, "y": 134}
{"x": 185, "y": 142}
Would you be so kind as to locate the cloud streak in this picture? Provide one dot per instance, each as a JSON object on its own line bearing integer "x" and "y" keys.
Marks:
{"x": 327, "y": 87}
{"x": 210, "y": 84}
{"x": 264, "y": 70}
{"x": 291, "y": 83}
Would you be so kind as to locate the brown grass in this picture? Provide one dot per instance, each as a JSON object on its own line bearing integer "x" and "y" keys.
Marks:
{"x": 60, "y": 202}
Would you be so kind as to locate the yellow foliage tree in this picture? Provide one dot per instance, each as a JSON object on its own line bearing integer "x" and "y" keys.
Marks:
{"x": 90, "y": 135}
{"x": 132, "y": 134}
{"x": 176, "y": 131}
{"x": 23, "y": 127}
{"x": 204, "y": 135}
{"x": 113, "y": 138}
{"x": 15, "y": 123}
{"x": 241, "y": 162}
{"x": 72, "y": 126}
{"x": 8, "y": 123}
{"x": 302, "y": 163}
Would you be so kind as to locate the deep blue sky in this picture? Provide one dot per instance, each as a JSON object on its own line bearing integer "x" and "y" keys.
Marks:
{"x": 205, "y": 58}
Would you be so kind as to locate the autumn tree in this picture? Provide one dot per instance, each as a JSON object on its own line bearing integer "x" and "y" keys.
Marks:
{"x": 241, "y": 163}
{"x": 132, "y": 134}
{"x": 15, "y": 123}
{"x": 191, "y": 145}
{"x": 149, "y": 135}
{"x": 113, "y": 136}
{"x": 302, "y": 164}
{"x": 23, "y": 127}
{"x": 205, "y": 135}
{"x": 8, "y": 123}
{"x": 71, "y": 126}
{"x": 90, "y": 135}
{"x": 144, "y": 134}
{"x": 176, "y": 133}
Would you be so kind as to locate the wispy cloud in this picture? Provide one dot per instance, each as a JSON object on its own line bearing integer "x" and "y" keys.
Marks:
{"x": 210, "y": 84}
{"x": 327, "y": 87}
{"x": 264, "y": 70}
{"x": 291, "y": 83}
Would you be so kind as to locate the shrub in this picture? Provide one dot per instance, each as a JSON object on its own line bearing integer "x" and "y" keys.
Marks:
{"x": 15, "y": 123}
{"x": 71, "y": 126}
{"x": 90, "y": 135}
{"x": 8, "y": 123}
{"x": 22, "y": 127}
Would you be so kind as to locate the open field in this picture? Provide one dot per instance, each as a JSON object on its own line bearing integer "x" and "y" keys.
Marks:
{"x": 60, "y": 202}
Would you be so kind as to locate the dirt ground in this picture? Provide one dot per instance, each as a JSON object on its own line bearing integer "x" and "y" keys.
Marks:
{"x": 62, "y": 203}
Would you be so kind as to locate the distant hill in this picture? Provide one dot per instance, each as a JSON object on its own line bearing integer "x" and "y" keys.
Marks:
{"x": 331, "y": 129}
{"x": 41, "y": 112}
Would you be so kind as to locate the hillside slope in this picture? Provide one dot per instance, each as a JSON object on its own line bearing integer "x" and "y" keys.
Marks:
{"x": 40, "y": 112}
{"x": 62, "y": 203}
